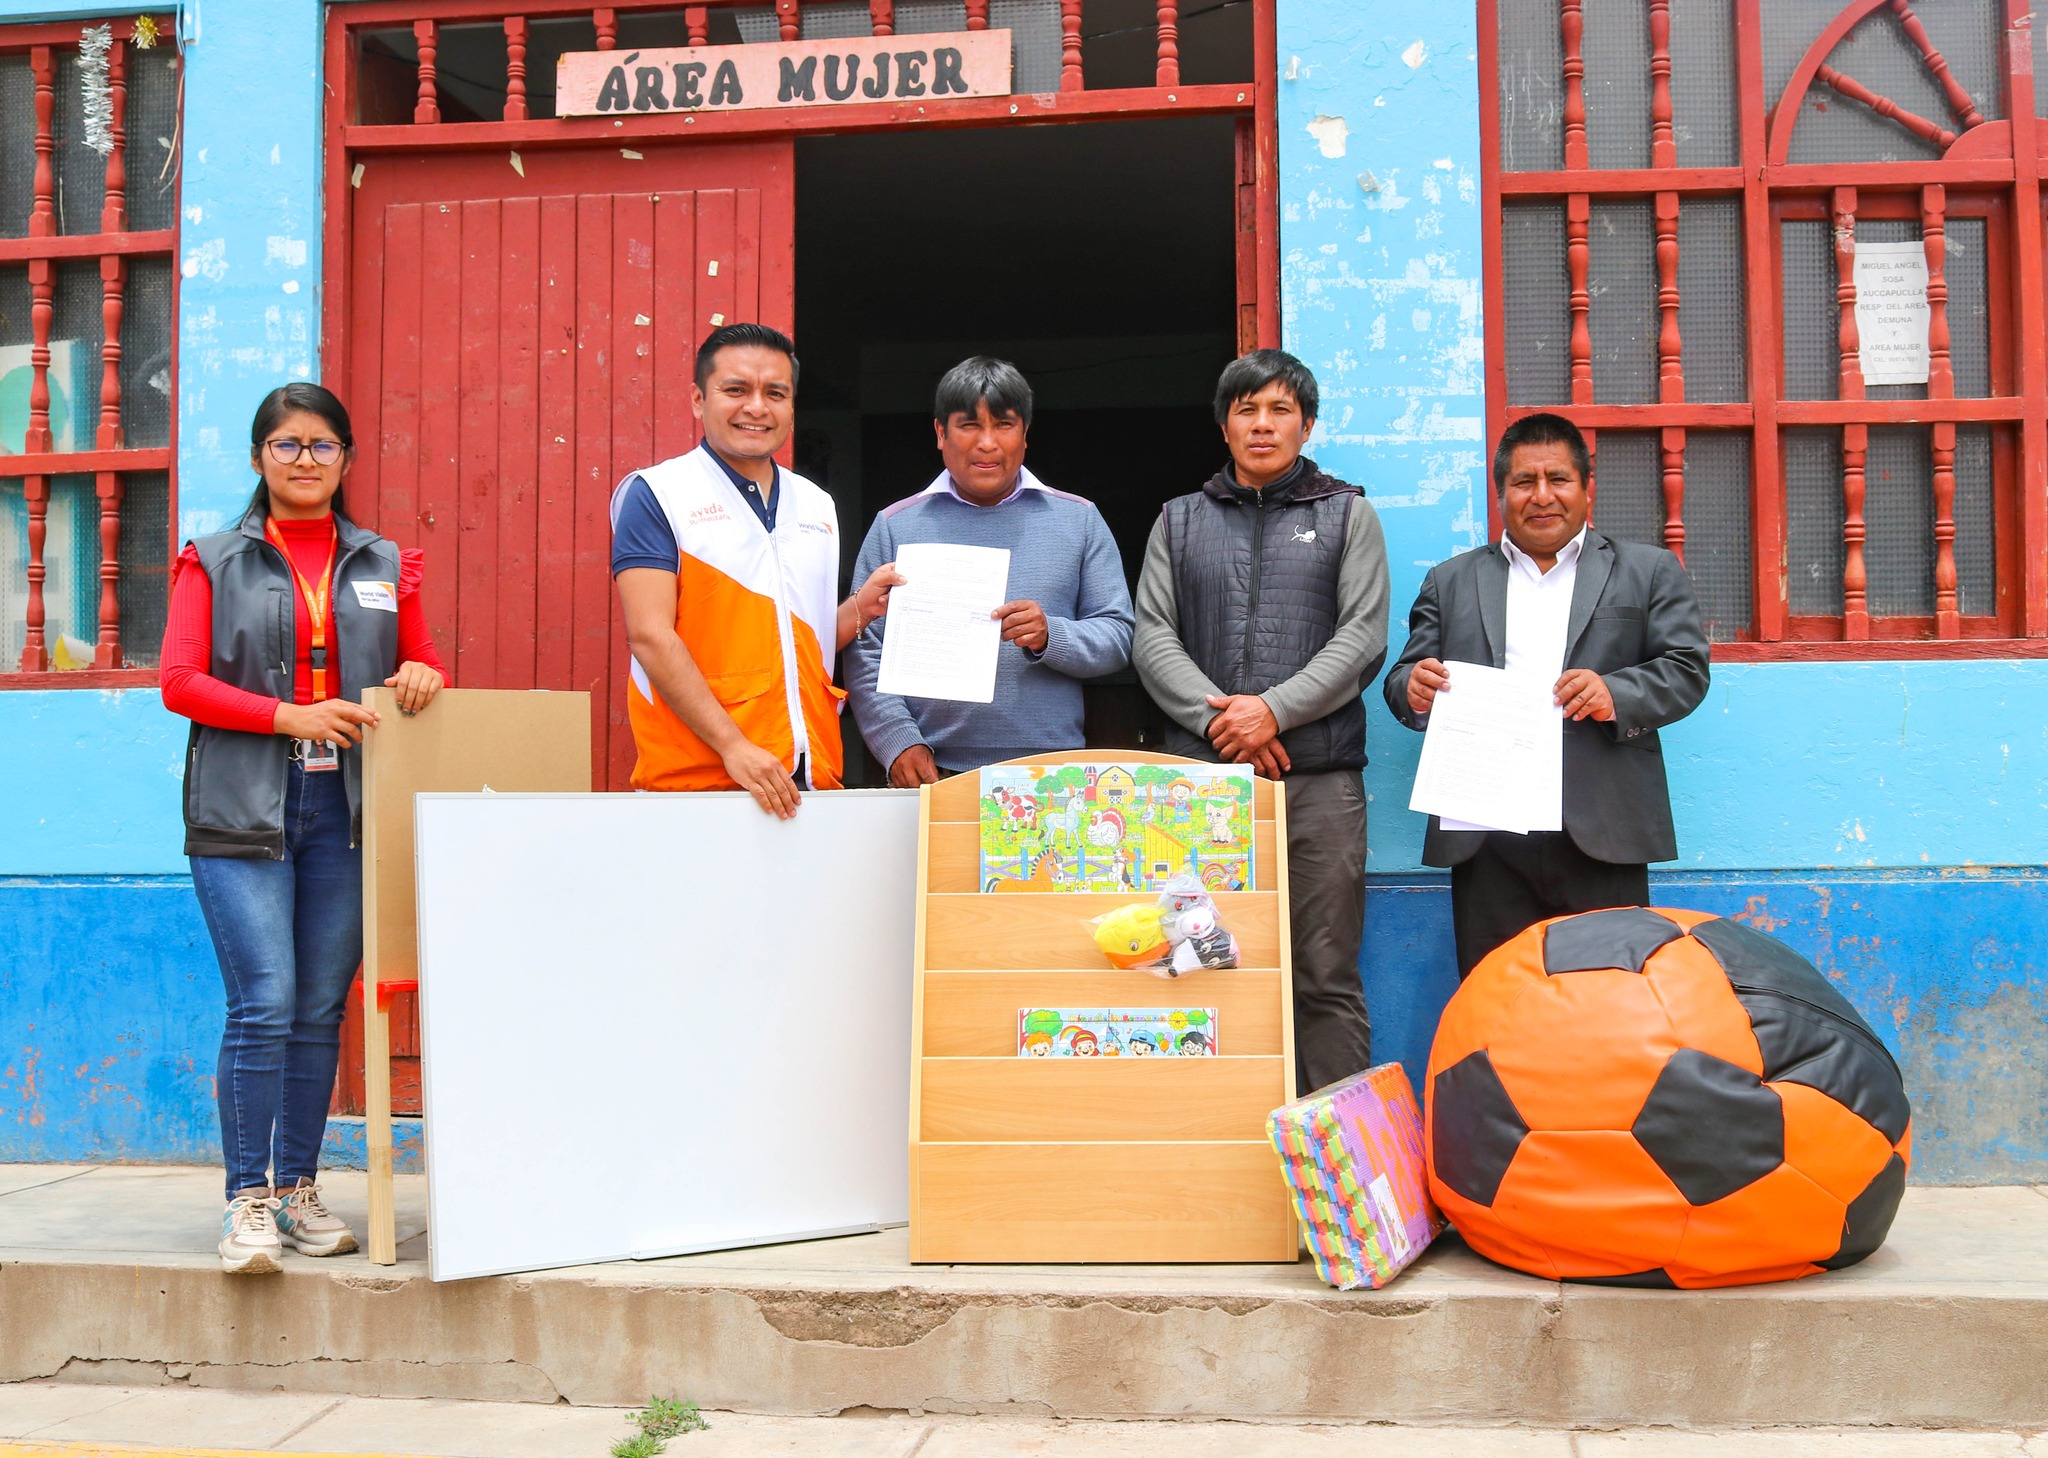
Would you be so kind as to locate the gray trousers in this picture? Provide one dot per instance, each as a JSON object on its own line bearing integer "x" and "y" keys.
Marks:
{"x": 1326, "y": 901}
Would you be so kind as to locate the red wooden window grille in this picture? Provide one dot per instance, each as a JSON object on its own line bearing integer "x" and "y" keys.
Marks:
{"x": 87, "y": 303}
{"x": 1675, "y": 194}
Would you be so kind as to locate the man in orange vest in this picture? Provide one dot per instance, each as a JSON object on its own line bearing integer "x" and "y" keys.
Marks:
{"x": 728, "y": 570}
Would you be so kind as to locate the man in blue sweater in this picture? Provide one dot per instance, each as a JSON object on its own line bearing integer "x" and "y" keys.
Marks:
{"x": 1070, "y": 614}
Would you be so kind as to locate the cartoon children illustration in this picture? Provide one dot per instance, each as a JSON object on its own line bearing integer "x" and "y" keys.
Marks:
{"x": 1082, "y": 1044}
{"x": 1143, "y": 1043}
{"x": 1038, "y": 1045}
{"x": 1194, "y": 1043}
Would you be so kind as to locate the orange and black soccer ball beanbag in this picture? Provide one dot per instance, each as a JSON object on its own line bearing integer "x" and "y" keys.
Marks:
{"x": 1662, "y": 1098}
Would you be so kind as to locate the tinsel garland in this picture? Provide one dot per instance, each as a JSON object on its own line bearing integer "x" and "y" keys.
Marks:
{"x": 94, "y": 44}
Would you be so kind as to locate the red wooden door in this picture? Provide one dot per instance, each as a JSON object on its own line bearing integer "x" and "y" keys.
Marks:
{"x": 520, "y": 336}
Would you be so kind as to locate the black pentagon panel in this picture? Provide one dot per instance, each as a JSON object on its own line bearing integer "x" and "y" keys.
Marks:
{"x": 1641, "y": 1280}
{"x": 1807, "y": 1031}
{"x": 1765, "y": 964}
{"x": 1870, "y": 1215}
{"x": 1850, "y": 1066}
{"x": 1711, "y": 1126}
{"x": 1621, "y": 940}
{"x": 1475, "y": 1128}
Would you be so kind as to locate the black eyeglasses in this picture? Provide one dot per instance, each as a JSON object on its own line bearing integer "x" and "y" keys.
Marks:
{"x": 323, "y": 452}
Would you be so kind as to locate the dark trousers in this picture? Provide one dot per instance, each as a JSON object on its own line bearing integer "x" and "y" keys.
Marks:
{"x": 1326, "y": 903}
{"x": 1516, "y": 881}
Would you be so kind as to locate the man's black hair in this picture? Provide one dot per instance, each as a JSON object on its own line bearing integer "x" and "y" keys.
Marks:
{"x": 1543, "y": 429}
{"x": 963, "y": 388}
{"x": 1251, "y": 373}
{"x": 726, "y": 336}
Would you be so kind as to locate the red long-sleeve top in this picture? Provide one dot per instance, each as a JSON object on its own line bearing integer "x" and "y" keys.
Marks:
{"x": 188, "y": 687}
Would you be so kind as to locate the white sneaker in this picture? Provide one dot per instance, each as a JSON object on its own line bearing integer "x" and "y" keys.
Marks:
{"x": 309, "y": 1227}
{"x": 248, "y": 1237}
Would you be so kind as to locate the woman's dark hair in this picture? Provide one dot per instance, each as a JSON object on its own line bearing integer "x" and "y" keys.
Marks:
{"x": 1246, "y": 376}
{"x": 964, "y": 387}
{"x": 1540, "y": 429}
{"x": 731, "y": 336}
{"x": 298, "y": 396}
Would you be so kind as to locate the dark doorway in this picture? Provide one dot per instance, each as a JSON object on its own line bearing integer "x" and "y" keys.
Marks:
{"x": 1099, "y": 258}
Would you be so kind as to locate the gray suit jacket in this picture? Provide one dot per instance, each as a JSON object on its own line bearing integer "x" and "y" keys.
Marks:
{"x": 1634, "y": 621}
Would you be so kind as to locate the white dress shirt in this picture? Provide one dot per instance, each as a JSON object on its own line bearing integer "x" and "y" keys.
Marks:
{"x": 1540, "y": 608}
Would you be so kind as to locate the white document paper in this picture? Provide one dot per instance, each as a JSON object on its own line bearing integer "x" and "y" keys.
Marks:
{"x": 1493, "y": 755}
{"x": 940, "y": 640}
{"x": 1891, "y": 312}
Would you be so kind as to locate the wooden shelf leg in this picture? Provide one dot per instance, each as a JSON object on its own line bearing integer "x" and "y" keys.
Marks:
{"x": 377, "y": 1127}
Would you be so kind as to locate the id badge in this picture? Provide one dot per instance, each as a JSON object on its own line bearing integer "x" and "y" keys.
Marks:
{"x": 318, "y": 756}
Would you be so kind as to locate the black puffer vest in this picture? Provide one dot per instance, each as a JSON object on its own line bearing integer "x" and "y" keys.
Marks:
{"x": 235, "y": 782}
{"x": 1255, "y": 577}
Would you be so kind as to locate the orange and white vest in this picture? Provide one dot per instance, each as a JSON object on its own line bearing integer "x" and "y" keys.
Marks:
{"x": 756, "y": 612}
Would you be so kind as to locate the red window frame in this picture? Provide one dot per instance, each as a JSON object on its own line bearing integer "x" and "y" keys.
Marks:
{"x": 1976, "y": 175}
{"x": 110, "y": 459}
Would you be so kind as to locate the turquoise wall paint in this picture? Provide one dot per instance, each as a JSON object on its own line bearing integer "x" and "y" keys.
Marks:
{"x": 90, "y": 784}
{"x": 1785, "y": 765}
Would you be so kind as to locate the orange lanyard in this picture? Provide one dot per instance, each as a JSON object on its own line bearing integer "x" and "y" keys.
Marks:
{"x": 319, "y": 603}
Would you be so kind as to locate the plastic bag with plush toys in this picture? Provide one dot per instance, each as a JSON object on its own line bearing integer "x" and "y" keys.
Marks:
{"x": 1169, "y": 937}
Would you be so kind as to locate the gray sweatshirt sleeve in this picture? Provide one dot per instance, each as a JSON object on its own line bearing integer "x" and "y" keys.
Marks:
{"x": 1169, "y": 675}
{"x": 1097, "y": 639}
{"x": 885, "y": 720}
{"x": 1342, "y": 668}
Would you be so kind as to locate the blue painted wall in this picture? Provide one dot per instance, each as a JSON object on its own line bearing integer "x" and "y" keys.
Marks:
{"x": 1838, "y": 800}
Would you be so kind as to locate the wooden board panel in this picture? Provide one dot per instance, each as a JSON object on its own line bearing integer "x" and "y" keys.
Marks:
{"x": 958, "y": 798}
{"x": 1039, "y": 1099}
{"x": 974, "y": 1014}
{"x": 468, "y": 739}
{"x": 956, "y": 855}
{"x": 1004, "y": 933}
{"x": 1078, "y": 1203}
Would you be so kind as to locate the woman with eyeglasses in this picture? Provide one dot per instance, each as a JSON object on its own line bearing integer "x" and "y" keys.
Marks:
{"x": 277, "y": 628}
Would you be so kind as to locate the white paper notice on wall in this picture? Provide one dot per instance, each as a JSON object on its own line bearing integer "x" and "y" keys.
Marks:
{"x": 1891, "y": 312}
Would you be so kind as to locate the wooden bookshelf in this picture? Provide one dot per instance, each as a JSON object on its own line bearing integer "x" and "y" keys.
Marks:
{"x": 1090, "y": 1160}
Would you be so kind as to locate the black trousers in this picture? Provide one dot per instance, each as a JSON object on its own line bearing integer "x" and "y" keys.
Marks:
{"x": 1326, "y": 904}
{"x": 1517, "y": 880}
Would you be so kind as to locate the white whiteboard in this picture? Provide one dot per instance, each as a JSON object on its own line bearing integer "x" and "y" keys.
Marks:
{"x": 656, "y": 1024}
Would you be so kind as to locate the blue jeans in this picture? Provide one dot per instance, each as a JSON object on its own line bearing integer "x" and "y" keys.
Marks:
{"x": 289, "y": 937}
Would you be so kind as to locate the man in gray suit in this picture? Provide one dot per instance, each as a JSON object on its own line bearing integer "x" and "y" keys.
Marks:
{"x": 1616, "y": 626}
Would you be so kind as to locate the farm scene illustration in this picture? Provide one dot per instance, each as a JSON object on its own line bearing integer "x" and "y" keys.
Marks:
{"x": 1115, "y": 826}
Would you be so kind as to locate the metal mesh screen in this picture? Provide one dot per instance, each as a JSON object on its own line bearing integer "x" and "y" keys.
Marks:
{"x": 1898, "y": 510}
{"x": 1969, "y": 307}
{"x": 81, "y": 172}
{"x": 1531, "y": 77}
{"x": 15, "y": 301}
{"x": 1813, "y": 359}
{"x": 1536, "y": 294}
{"x": 1703, "y": 97}
{"x": 1712, "y": 309}
{"x": 1976, "y": 548}
{"x": 1890, "y": 230}
{"x": 1628, "y": 489}
{"x": 1789, "y": 27}
{"x": 146, "y": 354}
{"x": 144, "y": 555}
{"x": 1616, "y": 49}
{"x": 152, "y": 130}
{"x": 1034, "y": 27}
{"x": 17, "y": 145}
{"x": 75, "y": 335}
{"x": 1813, "y": 521}
{"x": 1621, "y": 276}
{"x": 1717, "y": 529}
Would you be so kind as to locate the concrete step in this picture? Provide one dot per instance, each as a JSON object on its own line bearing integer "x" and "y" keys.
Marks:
{"x": 107, "y": 1274}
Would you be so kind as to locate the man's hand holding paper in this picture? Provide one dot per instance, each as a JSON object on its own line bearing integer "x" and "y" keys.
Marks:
{"x": 1493, "y": 754}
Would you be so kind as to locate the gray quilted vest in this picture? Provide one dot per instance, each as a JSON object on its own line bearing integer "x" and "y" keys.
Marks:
{"x": 235, "y": 782}
{"x": 1255, "y": 576}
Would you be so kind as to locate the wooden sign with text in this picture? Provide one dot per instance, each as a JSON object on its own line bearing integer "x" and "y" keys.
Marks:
{"x": 784, "y": 73}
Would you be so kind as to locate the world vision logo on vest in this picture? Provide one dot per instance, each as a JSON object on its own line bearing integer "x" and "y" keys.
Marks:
{"x": 783, "y": 73}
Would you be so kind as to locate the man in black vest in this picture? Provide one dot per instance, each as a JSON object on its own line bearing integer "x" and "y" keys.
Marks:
{"x": 1262, "y": 618}
{"x": 1614, "y": 627}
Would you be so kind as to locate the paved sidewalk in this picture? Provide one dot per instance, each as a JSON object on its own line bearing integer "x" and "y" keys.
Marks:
{"x": 66, "y": 1420}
